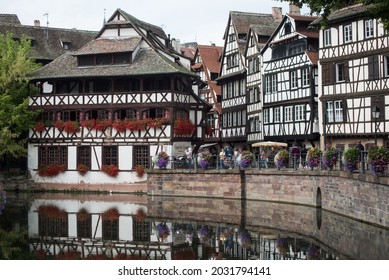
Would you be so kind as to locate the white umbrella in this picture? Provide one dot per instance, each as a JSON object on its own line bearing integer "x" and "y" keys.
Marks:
{"x": 269, "y": 144}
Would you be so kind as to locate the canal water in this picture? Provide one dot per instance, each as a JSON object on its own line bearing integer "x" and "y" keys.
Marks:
{"x": 124, "y": 226}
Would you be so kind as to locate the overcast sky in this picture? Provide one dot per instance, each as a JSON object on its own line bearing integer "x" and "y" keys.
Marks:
{"x": 203, "y": 21}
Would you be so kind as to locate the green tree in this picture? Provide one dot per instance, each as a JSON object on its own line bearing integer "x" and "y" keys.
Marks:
{"x": 16, "y": 66}
{"x": 377, "y": 8}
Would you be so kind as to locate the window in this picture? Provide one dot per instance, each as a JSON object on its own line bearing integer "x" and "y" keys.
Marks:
{"x": 252, "y": 125}
{"x": 257, "y": 125}
{"x": 253, "y": 65}
{"x": 66, "y": 45}
{"x": 110, "y": 229}
{"x": 141, "y": 230}
{"x": 340, "y": 71}
{"x": 244, "y": 118}
{"x": 348, "y": 33}
{"x": 110, "y": 155}
{"x": 299, "y": 113}
{"x": 154, "y": 113}
{"x": 305, "y": 76}
{"x": 327, "y": 37}
{"x": 53, "y": 226}
{"x": 369, "y": 28}
{"x": 239, "y": 118}
{"x": 293, "y": 79}
{"x": 69, "y": 116}
{"x": 231, "y": 37}
{"x": 289, "y": 114}
{"x": 84, "y": 225}
{"x": 287, "y": 28}
{"x": 229, "y": 119}
{"x": 373, "y": 67}
{"x": 230, "y": 88}
{"x": 266, "y": 116}
{"x": 232, "y": 60}
{"x": 53, "y": 155}
{"x": 234, "y": 118}
{"x": 126, "y": 114}
{"x": 271, "y": 84}
{"x": 253, "y": 95}
{"x": 335, "y": 111}
{"x": 386, "y": 66}
{"x": 84, "y": 155}
{"x": 141, "y": 156}
{"x": 277, "y": 116}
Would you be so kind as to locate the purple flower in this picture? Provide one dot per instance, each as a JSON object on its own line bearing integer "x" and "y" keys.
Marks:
{"x": 163, "y": 230}
{"x": 245, "y": 238}
{"x": 244, "y": 163}
{"x": 162, "y": 163}
{"x": 204, "y": 164}
{"x": 205, "y": 231}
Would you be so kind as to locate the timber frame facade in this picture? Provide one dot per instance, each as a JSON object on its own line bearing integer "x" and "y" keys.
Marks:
{"x": 290, "y": 81}
{"x": 114, "y": 102}
{"x": 233, "y": 74}
{"x": 354, "y": 79}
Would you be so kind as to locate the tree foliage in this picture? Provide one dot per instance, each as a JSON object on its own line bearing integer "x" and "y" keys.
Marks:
{"x": 16, "y": 65}
{"x": 377, "y": 8}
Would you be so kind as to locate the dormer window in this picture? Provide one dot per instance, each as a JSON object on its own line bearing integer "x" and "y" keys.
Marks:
{"x": 65, "y": 45}
{"x": 287, "y": 28}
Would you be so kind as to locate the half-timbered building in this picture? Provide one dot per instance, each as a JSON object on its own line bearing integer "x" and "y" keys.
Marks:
{"x": 289, "y": 82}
{"x": 207, "y": 66}
{"x": 233, "y": 74}
{"x": 354, "y": 72}
{"x": 113, "y": 105}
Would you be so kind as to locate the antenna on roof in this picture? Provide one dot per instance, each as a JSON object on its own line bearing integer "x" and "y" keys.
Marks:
{"x": 47, "y": 25}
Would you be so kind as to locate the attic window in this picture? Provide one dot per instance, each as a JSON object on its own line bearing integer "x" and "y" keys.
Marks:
{"x": 104, "y": 59}
{"x": 65, "y": 45}
{"x": 287, "y": 28}
{"x": 242, "y": 36}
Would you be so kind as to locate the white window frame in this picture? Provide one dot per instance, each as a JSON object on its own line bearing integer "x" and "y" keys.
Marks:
{"x": 348, "y": 33}
{"x": 229, "y": 119}
{"x": 338, "y": 111}
{"x": 369, "y": 28}
{"x": 327, "y": 37}
{"x": 244, "y": 117}
{"x": 293, "y": 79}
{"x": 257, "y": 125}
{"x": 299, "y": 113}
{"x": 330, "y": 112}
{"x": 305, "y": 76}
{"x": 268, "y": 84}
{"x": 266, "y": 116}
{"x": 277, "y": 115}
{"x": 274, "y": 83}
{"x": 288, "y": 114}
{"x": 339, "y": 71}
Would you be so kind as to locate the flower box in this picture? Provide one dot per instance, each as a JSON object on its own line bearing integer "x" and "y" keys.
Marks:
{"x": 111, "y": 214}
{"x": 102, "y": 124}
{"x": 82, "y": 169}
{"x": 111, "y": 170}
{"x": 71, "y": 127}
{"x": 51, "y": 170}
{"x": 39, "y": 127}
{"x": 183, "y": 127}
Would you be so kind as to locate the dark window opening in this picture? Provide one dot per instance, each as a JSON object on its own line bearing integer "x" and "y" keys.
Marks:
{"x": 141, "y": 156}
{"x": 141, "y": 230}
{"x": 110, "y": 155}
{"x": 84, "y": 155}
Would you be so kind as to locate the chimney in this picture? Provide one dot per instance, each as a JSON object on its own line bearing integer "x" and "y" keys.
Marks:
{"x": 277, "y": 14}
{"x": 37, "y": 23}
{"x": 294, "y": 10}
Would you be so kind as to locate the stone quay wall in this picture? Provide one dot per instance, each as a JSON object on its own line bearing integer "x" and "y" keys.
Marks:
{"x": 358, "y": 196}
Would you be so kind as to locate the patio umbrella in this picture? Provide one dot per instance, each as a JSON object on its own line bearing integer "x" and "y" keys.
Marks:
{"x": 269, "y": 144}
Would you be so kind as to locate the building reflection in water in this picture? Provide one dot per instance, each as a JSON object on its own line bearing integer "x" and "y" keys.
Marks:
{"x": 123, "y": 226}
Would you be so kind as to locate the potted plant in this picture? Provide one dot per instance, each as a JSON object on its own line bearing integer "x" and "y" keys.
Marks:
{"x": 281, "y": 159}
{"x": 110, "y": 169}
{"x": 246, "y": 158}
{"x": 140, "y": 214}
{"x": 71, "y": 127}
{"x": 51, "y": 211}
{"x": 204, "y": 158}
{"x": 351, "y": 158}
{"x": 329, "y": 158}
{"x": 162, "y": 231}
{"x": 378, "y": 159}
{"x": 162, "y": 160}
{"x": 313, "y": 158}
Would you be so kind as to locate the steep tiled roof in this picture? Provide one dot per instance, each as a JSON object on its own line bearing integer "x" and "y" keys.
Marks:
{"x": 313, "y": 56}
{"x": 9, "y": 19}
{"x": 147, "y": 62}
{"x": 344, "y": 13}
{"x": 210, "y": 56}
{"x": 48, "y": 42}
{"x": 103, "y": 45}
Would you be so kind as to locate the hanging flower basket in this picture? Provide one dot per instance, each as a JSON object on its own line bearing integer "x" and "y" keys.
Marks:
{"x": 378, "y": 160}
{"x": 51, "y": 170}
{"x": 351, "y": 159}
{"x": 204, "y": 158}
{"x": 111, "y": 214}
{"x": 162, "y": 231}
{"x": 313, "y": 158}
{"x": 111, "y": 170}
{"x": 329, "y": 158}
